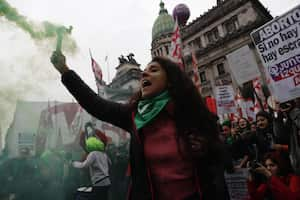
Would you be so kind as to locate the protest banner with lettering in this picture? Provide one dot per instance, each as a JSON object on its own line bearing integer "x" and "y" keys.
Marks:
{"x": 278, "y": 44}
{"x": 242, "y": 64}
{"x": 225, "y": 99}
{"x": 237, "y": 184}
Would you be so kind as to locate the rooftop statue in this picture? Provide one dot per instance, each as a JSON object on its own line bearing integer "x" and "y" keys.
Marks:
{"x": 122, "y": 59}
{"x": 131, "y": 59}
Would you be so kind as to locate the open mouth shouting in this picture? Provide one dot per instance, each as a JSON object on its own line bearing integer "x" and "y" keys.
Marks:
{"x": 146, "y": 83}
{"x": 153, "y": 81}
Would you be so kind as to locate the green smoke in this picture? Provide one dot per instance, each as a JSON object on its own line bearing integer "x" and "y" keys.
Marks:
{"x": 41, "y": 31}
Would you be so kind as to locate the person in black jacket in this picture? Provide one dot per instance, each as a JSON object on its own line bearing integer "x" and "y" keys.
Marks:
{"x": 175, "y": 146}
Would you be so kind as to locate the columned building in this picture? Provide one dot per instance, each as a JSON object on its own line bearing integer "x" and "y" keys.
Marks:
{"x": 221, "y": 30}
{"x": 126, "y": 81}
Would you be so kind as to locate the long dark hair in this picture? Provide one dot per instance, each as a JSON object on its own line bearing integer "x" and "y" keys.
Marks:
{"x": 190, "y": 113}
{"x": 279, "y": 159}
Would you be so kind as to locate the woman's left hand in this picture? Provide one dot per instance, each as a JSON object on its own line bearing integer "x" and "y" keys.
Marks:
{"x": 199, "y": 144}
{"x": 263, "y": 170}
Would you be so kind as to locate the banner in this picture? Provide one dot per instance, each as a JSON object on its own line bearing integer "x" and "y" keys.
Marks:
{"x": 225, "y": 99}
{"x": 243, "y": 65}
{"x": 54, "y": 125}
{"x": 278, "y": 45}
{"x": 237, "y": 184}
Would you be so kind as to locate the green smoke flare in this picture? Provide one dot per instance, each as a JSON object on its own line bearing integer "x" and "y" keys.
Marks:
{"x": 40, "y": 31}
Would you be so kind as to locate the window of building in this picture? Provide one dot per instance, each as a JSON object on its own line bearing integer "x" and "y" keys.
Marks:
{"x": 167, "y": 49}
{"x": 221, "y": 69}
{"x": 231, "y": 25}
{"x": 213, "y": 35}
{"x": 202, "y": 76}
{"x": 197, "y": 42}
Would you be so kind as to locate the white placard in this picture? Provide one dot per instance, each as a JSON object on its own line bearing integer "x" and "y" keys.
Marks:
{"x": 237, "y": 184}
{"x": 278, "y": 44}
{"x": 243, "y": 65}
{"x": 225, "y": 99}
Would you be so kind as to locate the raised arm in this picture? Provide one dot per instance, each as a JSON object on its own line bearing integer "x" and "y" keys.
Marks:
{"x": 111, "y": 112}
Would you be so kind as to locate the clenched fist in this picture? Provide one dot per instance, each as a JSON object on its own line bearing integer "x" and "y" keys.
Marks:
{"x": 59, "y": 62}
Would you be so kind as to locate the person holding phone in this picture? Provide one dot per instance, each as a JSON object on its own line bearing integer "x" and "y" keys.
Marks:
{"x": 278, "y": 181}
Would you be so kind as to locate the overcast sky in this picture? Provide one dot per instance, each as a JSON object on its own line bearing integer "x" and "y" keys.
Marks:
{"x": 110, "y": 28}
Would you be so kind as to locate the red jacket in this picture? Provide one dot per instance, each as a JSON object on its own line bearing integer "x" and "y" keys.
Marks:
{"x": 168, "y": 169}
{"x": 287, "y": 187}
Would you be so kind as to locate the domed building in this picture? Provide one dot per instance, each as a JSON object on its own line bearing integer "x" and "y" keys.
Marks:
{"x": 213, "y": 35}
{"x": 161, "y": 32}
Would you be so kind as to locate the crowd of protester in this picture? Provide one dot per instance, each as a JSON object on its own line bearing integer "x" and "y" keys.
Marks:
{"x": 52, "y": 176}
{"x": 175, "y": 151}
{"x": 269, "y": 148}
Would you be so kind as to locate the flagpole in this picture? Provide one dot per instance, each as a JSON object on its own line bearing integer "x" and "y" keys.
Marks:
{"x": 98, "y": 93}
{"x": 90, "y": 53}
{"x": 107, "y": 65}
{"x": 91, "y": 56}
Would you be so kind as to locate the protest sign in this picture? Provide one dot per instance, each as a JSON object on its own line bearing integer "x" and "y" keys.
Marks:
{"x": 278, "y": 44}
{"x": 237, "y": 184}
{"x": 242, "y": 64}
{"x": 225, "y": 99}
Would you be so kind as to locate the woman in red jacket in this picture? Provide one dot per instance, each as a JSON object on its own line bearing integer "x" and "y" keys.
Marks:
{"x": 174, "y": 145}
{"x": 278, "y": 184}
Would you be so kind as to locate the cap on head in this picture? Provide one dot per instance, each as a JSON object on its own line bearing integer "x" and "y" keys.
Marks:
{"x": 94, "y": 144}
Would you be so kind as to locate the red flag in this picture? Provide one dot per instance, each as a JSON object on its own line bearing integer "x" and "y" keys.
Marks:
{"x": 97, "y": 72}
{"x": 257, "y": 106}
{"x": 176, "y": 51}
{"x": 234, "y": 117}
{"x": 239, "y": 102}
{"x": 258, "y": 88}
{"x": 250, "y": 109}
{"x": 260, "y": 95}
{"x": 196, "y": 77}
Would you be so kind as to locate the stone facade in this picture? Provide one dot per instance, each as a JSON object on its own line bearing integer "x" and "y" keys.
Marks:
{"x": 126, "y": 81}
{"x": 216, "y": 33}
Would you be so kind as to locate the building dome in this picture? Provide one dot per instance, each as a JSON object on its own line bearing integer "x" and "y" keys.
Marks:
{"x": 182, "y": 13}
{"x": 163, "y": 24}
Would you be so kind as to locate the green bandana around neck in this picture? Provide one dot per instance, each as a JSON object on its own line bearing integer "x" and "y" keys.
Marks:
{"x": 149, "y": 108}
